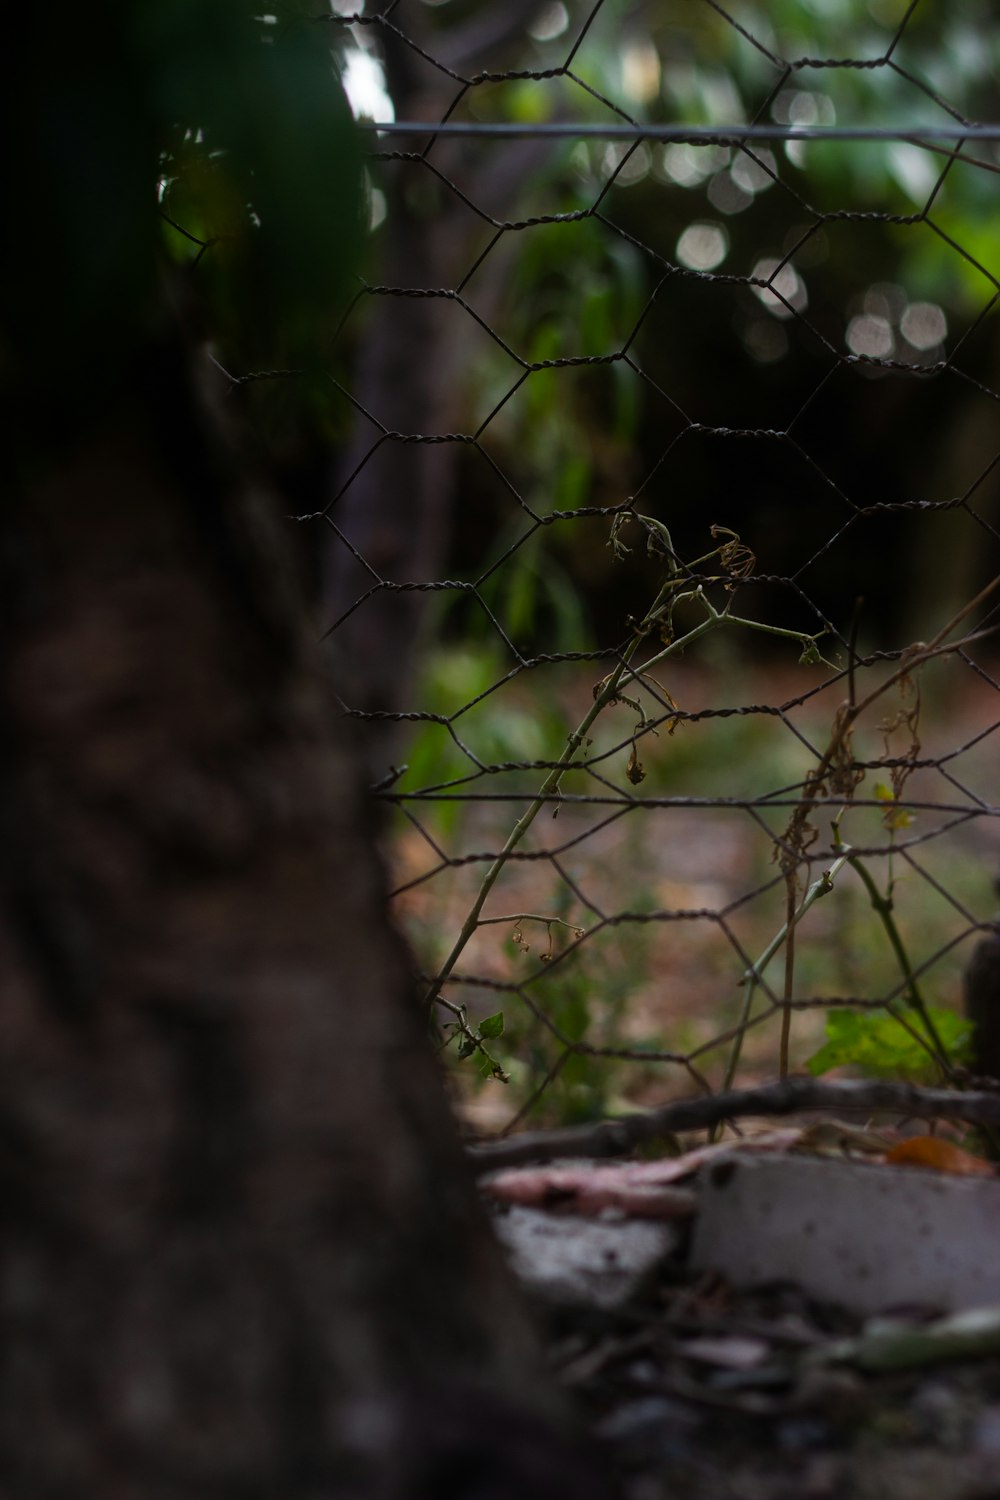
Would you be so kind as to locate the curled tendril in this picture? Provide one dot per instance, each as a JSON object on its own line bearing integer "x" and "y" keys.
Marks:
{"x": 734, "y": 555}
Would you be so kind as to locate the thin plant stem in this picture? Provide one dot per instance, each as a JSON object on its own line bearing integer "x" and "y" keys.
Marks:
{"x": 754, "y": 975}
{"x": 882, "y": 905}
{"x": 918, "y": 656}
{"x": 788, "y": 987}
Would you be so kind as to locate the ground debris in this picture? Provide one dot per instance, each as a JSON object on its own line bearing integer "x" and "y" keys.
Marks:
{"x": 711, "y": 1390}
{"x": 687, "y": 1409}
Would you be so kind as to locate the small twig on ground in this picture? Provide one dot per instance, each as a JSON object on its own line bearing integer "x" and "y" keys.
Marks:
{"x": 619, "y": 1136}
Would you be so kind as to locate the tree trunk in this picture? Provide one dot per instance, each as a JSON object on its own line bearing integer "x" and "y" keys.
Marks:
{"x": 240, "y": 1253}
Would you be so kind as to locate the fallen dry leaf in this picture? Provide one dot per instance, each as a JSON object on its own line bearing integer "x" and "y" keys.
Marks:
{"x": 645, "y": 1189}
{"x": 938, "y": 1155}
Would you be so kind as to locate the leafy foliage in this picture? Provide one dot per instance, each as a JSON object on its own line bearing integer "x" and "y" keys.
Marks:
{"x": 878, "y": 1044}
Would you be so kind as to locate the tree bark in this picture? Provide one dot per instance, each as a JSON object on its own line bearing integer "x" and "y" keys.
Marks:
{"x": 240, "y": 1253}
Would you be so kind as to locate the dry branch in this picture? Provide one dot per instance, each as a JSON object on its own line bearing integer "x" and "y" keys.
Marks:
{"x": 619, "y": 1136}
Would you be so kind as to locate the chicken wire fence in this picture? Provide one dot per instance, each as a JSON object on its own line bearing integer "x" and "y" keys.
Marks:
{"x": 659, "y": 566}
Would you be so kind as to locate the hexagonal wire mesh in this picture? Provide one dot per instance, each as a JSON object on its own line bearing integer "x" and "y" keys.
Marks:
{"x": 662, "y": 563}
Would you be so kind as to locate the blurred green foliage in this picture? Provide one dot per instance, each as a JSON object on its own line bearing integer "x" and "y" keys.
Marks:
{"x": 497, "y": 728}
{"x": 586, "y": 998}
{"x": 870, "y": 231}
{"x": 878, "y": 1044}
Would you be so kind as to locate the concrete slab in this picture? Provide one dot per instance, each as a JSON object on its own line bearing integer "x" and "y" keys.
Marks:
{"x": 869, "y": 1237}
{"x": 570, "y": 1260}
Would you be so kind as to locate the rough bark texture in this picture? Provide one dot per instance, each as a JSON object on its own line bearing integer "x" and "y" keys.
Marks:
{"x": 239, "y": 1253}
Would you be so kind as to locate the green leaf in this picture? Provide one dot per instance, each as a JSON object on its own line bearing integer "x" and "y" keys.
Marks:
{"x": 877, "y": 1044}
{"x": 492, "y": 1027}
{"x": 490, "y": 1068}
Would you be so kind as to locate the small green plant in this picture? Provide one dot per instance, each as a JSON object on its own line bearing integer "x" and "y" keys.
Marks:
{"x": 588, "y": 979}
{"x": 472, "y": 1040}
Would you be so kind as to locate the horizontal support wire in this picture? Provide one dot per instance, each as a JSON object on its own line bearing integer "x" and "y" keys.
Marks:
{"x": 684, "y": 134}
